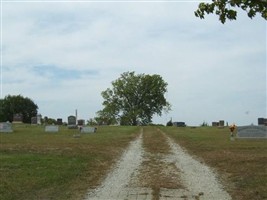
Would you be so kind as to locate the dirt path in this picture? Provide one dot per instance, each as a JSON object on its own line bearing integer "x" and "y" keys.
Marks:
{"x": 198, "y": 181}
{"x": 115, "y": 186}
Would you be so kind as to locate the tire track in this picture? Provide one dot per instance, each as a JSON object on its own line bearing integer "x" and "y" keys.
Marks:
{"x": 200, "y": 180}
{"x": 115, "y": 186}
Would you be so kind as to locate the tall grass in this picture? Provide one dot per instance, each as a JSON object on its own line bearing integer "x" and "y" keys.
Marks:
{"x": 39, "y": 165}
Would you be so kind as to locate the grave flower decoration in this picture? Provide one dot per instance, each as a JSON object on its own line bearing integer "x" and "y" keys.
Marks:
{"x": 232, "y": 128}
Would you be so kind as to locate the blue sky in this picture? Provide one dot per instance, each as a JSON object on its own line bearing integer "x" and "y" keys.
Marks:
{"x": 63, "y": 55}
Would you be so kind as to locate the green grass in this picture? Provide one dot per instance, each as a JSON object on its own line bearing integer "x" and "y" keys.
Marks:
{"x": 240, "y": 163}
{"x": 39, "y": 165}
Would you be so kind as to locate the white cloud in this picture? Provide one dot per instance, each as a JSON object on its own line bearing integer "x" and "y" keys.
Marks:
{"x": 213, "y": 71}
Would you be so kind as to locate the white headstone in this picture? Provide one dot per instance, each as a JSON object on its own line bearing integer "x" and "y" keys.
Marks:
{"x": 252, "y": 132}
{"x": 51, "y": 128}
{"x": 5, "y": 127}
{"x": 88, "y": 129}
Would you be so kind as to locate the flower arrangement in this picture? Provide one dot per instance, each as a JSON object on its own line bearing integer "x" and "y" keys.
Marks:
{"x": 232, "y": 129}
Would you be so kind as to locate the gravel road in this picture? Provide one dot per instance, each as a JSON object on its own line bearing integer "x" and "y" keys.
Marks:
{"x": 199, "y": 180}
{"x": 115, "y": 186}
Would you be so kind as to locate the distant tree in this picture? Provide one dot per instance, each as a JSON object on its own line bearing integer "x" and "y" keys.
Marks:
{"x": 169, "y": 123}
{"x": 11, "y": 105}
{"x": 226, "y": 9}
{"x": 204, "y": 124}
{"x": 134, "y": 99}
{"x": 91, "y": 122}
{"x": 48, "y": 120}
{"x": 105, "y": 117}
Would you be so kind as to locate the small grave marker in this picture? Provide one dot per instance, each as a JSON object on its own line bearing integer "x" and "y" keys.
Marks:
{"x": 252, "y": 132}
{"x": 179, "y": 124}
{"x": 51, "y": 128}
{"x": 5, "y": 127}
{"x": 88, "y": 129}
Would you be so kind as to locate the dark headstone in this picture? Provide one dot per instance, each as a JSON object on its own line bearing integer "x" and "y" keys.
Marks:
{"x": 252, "y": 132}
{"x": 215, "y": 124}
{"x": 221, "y": 123}
{"x": 5, "y": 127}
{"x": 179, "y": 124}
{"x": 59, "y": 121}
{"x": 72, "y": 122}
{"x": 81, "y": 122}
{"x": 262, "y": 121}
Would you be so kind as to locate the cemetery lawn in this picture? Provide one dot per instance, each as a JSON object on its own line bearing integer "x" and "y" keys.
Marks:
{"x": 38, "y": 165}
{"x": 241, "y": 164}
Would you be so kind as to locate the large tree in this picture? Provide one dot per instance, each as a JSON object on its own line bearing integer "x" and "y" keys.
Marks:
{"x": 134, "y": 99}
{"x": 226, "y": 9}
{"x": 11, "y": 105}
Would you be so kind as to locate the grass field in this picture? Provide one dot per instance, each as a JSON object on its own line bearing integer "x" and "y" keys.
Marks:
{"x": 39, "y": 165}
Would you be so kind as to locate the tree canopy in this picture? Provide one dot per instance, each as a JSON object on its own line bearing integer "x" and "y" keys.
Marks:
{"x": 134, "y": 99}
{"x": 226, "y": 9}
{"x": 11, "y": 105}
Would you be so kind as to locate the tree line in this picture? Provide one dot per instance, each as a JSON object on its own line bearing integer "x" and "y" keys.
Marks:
{"x": 133, "y": 99}
{"x": 17, "y": 104}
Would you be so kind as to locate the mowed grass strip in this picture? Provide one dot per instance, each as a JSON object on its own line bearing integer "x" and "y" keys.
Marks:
{"x": 240, "y": 163}
{"x": 156, "y": 172}
{"x": 39, "y": 165}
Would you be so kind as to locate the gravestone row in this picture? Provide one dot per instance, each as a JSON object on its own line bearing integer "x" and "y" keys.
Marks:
{"x": 6, "y": 127}
{"x": 219, "y": 123}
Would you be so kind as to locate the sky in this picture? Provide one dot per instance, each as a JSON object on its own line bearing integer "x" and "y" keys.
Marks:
{"x": 63, "y": 54}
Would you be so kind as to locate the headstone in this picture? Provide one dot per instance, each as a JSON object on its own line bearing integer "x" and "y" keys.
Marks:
{"x": 262, "y": 121}
{"x": 81, "y": 122}
{"x": 59, "y": 121}
{"x": 72, "y": 122}
{"x": 39, "y": 119}
{"x": 34, "y": 120}
{"x": 221, "y": 123}
{"x": 215, "y": 124}
{"x": 88, "y": 129}
{"x": 5, "y": 127}
{"x": 51, "y": 128}
{"x": 17, "y": 118}
{"x": 252, "y": 132}
{"x": 179, "y": 124}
